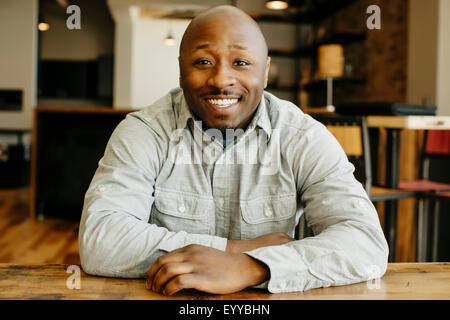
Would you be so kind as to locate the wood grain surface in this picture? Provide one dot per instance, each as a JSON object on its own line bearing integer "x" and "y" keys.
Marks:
{"x": 402, "y": 281}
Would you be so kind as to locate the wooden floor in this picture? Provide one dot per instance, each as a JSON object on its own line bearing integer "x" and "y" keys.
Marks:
{"x": 25, "y": 241}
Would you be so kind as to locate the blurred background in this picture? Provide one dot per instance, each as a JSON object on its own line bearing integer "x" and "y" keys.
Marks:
{"x": 70, "y": 70}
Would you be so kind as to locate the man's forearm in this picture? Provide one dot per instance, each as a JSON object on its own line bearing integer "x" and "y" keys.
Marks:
{"x": 119, "y": 245}
{"x": 271, "y": 239}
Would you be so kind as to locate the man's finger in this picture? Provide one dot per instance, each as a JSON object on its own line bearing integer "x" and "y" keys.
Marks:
{"x": 183, "y": 281}
{"x": 169, "y": 271}
{"x": 171, "y": 257}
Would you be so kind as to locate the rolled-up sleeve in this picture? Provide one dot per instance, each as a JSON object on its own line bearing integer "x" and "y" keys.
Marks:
{"x": 348, "y": 245}
{"x": 115, "y": 236}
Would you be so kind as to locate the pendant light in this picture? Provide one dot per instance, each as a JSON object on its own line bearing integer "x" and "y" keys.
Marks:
{"x": 277, "y": 5}
{"x": 169, "y": 40}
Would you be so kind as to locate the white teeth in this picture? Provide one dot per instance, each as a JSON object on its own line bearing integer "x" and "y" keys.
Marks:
{"x": 222, "y": 103}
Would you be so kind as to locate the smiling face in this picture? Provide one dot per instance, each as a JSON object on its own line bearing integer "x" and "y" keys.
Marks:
{"x": 223, "y": 68}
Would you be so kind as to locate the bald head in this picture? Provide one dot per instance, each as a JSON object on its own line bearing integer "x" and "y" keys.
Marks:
{"x": 229, "y": 17}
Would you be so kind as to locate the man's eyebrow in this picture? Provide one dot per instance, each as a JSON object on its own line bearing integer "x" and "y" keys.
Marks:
{"x": 207, "y": 45}
{"x": 202, "y": 46}
{"x": 239, "y": 46}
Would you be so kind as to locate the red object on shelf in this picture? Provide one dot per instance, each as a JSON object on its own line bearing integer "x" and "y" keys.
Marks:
{"x": 423, "y": 185}
{"x": 438, "y": 142}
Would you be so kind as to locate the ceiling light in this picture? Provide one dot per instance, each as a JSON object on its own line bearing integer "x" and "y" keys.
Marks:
{"x": 63, "y": 3}
{"x": 170, "y": 40}
{"x": 276, "y": 5}
{"x": 43, "y": 26}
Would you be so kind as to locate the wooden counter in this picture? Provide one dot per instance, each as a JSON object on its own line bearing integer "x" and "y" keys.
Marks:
{"x": 402, "y": 281}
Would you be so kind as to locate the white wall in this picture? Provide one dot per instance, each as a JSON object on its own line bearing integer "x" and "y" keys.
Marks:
{"x": 443, "y": 59}
{"x": 422, "y": 51}
{"x": 428, "y": 54}
{"x": 123, "y": 55}
{"x": 156, "y": 68}
{"x": 18, "y": 58}
{"x": 144, "y": 68}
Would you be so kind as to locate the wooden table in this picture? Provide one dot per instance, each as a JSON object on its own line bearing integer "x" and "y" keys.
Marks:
{"x": 393, "y": 126}
{"x": 410, "y": 122}
{"x": 402, "y": 281}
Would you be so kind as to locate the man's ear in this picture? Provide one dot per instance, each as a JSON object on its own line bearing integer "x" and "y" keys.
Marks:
{"x": 266, "y": 78}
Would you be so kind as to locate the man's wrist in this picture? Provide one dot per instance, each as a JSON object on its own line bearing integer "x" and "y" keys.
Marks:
{"x": 239, "y": 246}
{"x": 234, "y": 246}
{"x": 230, "y": 246}
{"x": 258, "y": 271}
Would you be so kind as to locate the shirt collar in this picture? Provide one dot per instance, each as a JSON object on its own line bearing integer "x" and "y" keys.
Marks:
{"x": 183, "y": 113}
{"x": 260, "y": 119}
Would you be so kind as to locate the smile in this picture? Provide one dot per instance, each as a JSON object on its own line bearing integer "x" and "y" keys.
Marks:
{"x": 222, "y": 103}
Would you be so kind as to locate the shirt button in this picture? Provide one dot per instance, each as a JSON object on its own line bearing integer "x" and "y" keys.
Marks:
{"x": 102, "y": 188}
{"x": 181, "y": 209}
{"x": 221, "y": 201}
{"x": 268, "y": 213}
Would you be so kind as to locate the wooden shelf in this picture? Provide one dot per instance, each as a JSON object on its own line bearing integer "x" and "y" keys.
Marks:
{"x": 342, "y": 38}
{"x": 283, "y": 87}
{"x": 316, "y": 13}
{"x": 338, "y": 82}
{"x": 284, "y": 53}
{"x": 277, "y": 18}
{"x": 319, "y": 10}
{"x": 310, "y": 51}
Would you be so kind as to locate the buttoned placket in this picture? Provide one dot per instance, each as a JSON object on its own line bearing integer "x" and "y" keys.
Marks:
{"x": 221, "y": 173}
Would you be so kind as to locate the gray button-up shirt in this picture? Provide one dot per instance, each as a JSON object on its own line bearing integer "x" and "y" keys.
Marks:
{"x": 164, "y": 183}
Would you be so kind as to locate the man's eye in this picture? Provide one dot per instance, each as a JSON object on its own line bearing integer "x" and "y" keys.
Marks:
{"x": 203, "y": 62}
{"x": 241, "y": 63}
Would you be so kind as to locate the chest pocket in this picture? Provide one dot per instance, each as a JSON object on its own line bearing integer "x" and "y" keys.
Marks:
{"x": 268, "y": 214}
{"x": 179, "y": 211}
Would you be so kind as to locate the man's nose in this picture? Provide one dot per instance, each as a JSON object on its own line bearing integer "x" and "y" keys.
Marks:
{"x": 222, "y": 77}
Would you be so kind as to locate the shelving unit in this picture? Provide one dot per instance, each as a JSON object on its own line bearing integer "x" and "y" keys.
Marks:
{"x": 321, "y": 84}
{"x": 311, "y": 50}
{"x": 306, "y": 50}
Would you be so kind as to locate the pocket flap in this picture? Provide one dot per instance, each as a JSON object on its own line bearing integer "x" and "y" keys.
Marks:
{"x": 183, "y": 205}
{"x": 266, "y": 209}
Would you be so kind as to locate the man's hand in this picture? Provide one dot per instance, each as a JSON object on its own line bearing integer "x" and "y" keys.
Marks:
{"x": 205, "y": 269}
{"x": 271, "y": 239}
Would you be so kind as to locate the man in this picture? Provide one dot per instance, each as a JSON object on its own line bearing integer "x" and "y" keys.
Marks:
{"x": 223, "y": 219}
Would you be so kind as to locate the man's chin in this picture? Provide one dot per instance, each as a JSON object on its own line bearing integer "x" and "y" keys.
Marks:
{"x": 222, "y": 126}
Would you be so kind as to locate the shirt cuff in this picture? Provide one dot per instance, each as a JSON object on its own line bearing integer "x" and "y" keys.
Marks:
{"x": 288, "y": 272}
{"x": 182, "y": 239}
